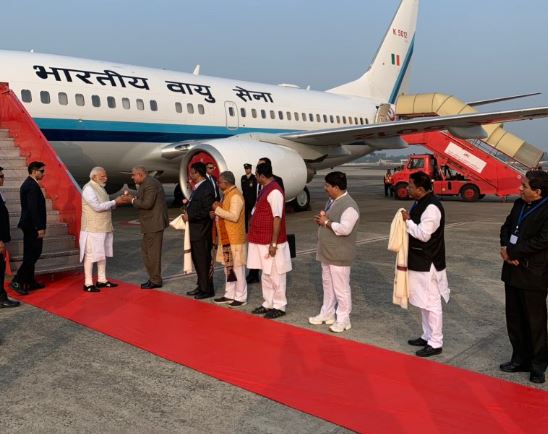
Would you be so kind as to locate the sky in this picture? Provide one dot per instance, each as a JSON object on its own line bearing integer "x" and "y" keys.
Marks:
{"x": 473, "y": 49}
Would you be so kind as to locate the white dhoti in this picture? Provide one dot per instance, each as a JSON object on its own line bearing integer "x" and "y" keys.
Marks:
{"x": 426, "y": 290}
{"x": 237, "y": 290}
{"x": 275, "y": 269}
{"x": 337, "y": 297}
{"x": 95, "y": 247}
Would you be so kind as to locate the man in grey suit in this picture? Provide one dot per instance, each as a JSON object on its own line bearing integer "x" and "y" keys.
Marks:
{"x": 151, "y": 203}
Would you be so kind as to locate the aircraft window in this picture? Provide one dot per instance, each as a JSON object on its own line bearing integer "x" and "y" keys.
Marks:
{"x": 350, "y": 120}
{"x": 318, "y": 118}
{"x": 153, "y": 105}
{"x": 331, "y": 119}
{"x": 126, "y": 104}
{"x": 263, "y": 114}
{"x": 26, "y": 95}
{"x": 95, "y": 101}
{"x": 344, "y": 119}
{"x": 254, "y": 113}
{"x": 63, "y": 98}
{"x": 111, "y": 102}
{"x": 281, "y": 115}
{"x": 79, "y": 98}
{"x": 338, "y": 119}
{"x": 361, "y": 121}
{"x": 231, "y": 111}
{"x": 140, "y": 104}
{"x": 296, "y": 116}
{"x": 288, "y": 116}
{"x": 178, "y": 107}
{"x": 303, "y": 117}
{"x": 366, "y": 121}
{"x": 311, "y": 117}
{"x": 201, "y": 109}
{"x": 325, "y": 118}
{"x": 44, "y": 97}
{"x": 356, "y": 121}
{"x": 190, "y": 108}
{"x": 272, "y": 114}
{"x": 242, "y": 112}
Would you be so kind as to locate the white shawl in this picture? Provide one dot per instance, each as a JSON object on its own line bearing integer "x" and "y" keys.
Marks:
{"x": 398, "y": 242}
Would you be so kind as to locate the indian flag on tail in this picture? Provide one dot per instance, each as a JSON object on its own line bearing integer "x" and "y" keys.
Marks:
{"x": 395, "y": 59}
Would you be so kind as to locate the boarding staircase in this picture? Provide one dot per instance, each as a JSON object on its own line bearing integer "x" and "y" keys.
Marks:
{"x": 20, "y": 143}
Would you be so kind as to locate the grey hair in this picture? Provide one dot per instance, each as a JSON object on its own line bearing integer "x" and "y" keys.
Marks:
{"x": 95, "y": 171}
{"x": 228, "y": 176}
{"x": 141, "y": 169}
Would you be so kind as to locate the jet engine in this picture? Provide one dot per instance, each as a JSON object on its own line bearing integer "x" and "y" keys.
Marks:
{"x": 233, "y": 152}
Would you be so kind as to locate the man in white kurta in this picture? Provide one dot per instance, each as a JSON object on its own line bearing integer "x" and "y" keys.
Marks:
{"x": 268, "y": 249}
{"x": 96, "y": 232}
{"x": 427, "y": 288}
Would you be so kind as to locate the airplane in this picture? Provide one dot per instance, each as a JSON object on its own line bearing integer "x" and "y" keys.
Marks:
{"x": 118, "y": 116}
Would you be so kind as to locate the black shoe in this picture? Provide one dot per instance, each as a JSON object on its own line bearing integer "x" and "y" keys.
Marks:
{"x": 145, "y": 284}
{"x": 195, "y": 291}
{"x": 18, "y": 288}
{"x": 274, "y": 313}
{"x": 514, "y": 367}
{"x": 223, "y": 300}
{"x": 252, "y": 279}
{"x": 36, "y": 285}
{"x": 6, "y": 303}
{"x": 106, "y": 284}
{"x": 203, "y": 295}
{"x": 150, "y": 285}
{"x": 91, "y": 288}
{"x": 428, "y": 351}
{"x": 237, "y": 303}
{"x": 419, "y": 342}
{"x": 537, "y": 377}
{"x": 260, "y": 310}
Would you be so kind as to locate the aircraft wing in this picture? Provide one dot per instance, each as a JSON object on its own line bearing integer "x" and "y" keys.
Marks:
{"x": 504, "y": 98}
{"x": 465, "y": 126}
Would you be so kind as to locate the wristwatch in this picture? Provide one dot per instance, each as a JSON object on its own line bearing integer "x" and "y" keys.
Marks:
{"x": 274, "y": 244}
{"x": 325, "y": 224}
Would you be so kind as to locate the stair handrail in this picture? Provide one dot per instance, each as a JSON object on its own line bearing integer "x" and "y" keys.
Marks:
{"x": 59, "y": 184}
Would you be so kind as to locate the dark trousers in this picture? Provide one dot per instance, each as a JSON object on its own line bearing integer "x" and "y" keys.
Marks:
{"x": 3, "y": 294}
{"x": 526, "y": 324}
{"x": 388, "y": 190}
{"x": 201, "y": 258}
{"x": 151, "y": 248}
{"x": 32, "y": 249}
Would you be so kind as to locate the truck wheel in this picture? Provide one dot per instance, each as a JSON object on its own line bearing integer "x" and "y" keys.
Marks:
{"x": 400, "y": 191}
{"x": 302, "y": 201}
{"x": 469, "y": 193}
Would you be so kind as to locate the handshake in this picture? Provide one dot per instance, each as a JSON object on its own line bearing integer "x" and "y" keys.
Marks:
{"x": 124, "y": 199}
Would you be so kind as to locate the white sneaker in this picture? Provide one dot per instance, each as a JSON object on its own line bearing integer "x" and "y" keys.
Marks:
{"x": 319, "y": 320}
{"x": 340, "y": 327}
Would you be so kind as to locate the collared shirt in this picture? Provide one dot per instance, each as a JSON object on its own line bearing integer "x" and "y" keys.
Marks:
{"x": 349, "y": 217}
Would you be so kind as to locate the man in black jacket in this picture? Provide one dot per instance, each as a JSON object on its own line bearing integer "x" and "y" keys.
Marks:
{"x": 524, "y": 249}
{"x": 5, "y": 237}
{"x": 249, "y": 191}
{"x": 210, "y": 175}
{"x": 33, "y": 225}
{"x": 200, "y": 226}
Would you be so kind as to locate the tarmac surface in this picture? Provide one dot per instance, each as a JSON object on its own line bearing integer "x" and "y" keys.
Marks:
{"x": 57, "y": 376}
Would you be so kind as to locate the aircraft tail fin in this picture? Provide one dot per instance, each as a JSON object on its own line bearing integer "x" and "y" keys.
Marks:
{"x": 388, "y": 75}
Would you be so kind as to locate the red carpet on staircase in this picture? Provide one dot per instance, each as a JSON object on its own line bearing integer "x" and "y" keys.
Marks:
{"x": 357, "y": 386}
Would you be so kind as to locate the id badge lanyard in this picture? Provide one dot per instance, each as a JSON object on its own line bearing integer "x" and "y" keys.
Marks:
{"x": 522, "y": 216}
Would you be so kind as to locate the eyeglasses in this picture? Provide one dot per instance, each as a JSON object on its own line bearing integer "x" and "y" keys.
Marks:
{"x": 41, "y": 170}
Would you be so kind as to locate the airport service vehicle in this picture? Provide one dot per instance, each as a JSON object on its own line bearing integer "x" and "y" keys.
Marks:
{"x": 458, "y": 168}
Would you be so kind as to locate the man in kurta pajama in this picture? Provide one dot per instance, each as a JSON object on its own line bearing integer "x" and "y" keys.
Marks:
{"x": 231, "y": 251}
{"x": 268, "y": 249}
{"x": 96, "y": 237}
{"x": 426, "y": 263}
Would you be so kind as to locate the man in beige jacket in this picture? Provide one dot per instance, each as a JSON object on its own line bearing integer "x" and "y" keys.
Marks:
{"x": 231, "y": 252}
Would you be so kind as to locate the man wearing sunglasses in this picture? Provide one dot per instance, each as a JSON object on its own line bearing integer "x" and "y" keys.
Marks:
{"x": 33, "y": 225}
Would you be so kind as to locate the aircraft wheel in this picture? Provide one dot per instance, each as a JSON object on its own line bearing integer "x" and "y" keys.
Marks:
{"x": 469, "y": 193}
{"x": 302, "y": 201}
{"x": 400, "y": 191}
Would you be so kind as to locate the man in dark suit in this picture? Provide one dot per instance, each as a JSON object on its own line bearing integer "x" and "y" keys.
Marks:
{"x": 524, "y": 249}
{"x": 249, "y": 191}
{"x": 33, "y": 225}
{"x": 253, "y": 275}
{"x": 210, "y": 175}
{"x": 200, "y": 226}
{"x": 5, "y": 237}
{"x": 151, "y": 203}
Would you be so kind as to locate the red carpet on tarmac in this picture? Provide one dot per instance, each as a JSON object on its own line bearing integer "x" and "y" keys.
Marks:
{"x": 357, "y": 386}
